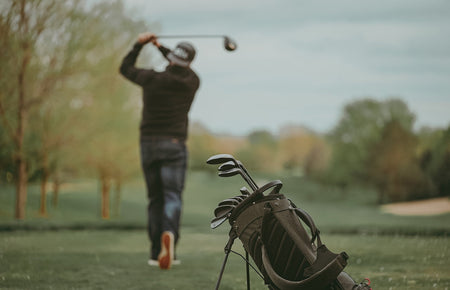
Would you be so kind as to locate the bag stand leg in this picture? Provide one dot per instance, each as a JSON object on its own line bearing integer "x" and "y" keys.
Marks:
{"x": 247, "y": 268}
{"x": 228, "y": 246}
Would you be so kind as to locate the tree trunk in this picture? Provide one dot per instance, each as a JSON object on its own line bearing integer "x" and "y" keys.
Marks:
{"x": 117, "y": 197}
{"x": 21, "y": 190}
{"x": 43, "y": 208}
{"x": 21, "y": 194}
{"x": 106, "y": 185}
{"x": 56, "y": 185}
{"x": 22, "y": 178}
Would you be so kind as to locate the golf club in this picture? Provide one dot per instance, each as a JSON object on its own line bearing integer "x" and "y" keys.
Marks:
{"x": 227, "y": 166}
{"x": 215, "y": 222}
{"x": 227, "y": 160}
{"x": 228, "y": 43}
{"x": 219, "y": 159}
{"x": 245, "y": 191}
{"x": 223, "y": 209}
{"x": 237, "y": 170}
{"x": 229, "y": 201}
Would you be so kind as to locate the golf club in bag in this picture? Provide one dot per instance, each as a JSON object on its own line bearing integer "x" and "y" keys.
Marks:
{"x": 281, "y": 238}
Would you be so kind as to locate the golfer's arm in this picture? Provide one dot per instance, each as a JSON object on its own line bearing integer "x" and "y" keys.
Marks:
{"x": 164, "y": 50}
{"x": 127, "y": 68}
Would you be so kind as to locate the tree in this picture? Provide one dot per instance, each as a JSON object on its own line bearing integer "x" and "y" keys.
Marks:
{"x": 261, "y": 152}
{"x": 394, "y": 166}
{"x": 110, "y": 104}
{"x": 56, "y": 56}
{"x": 28, "y": 73}
{"x": 358, "y": 130}
{"x": 302, "y": 151}
{"x": 435, "y": 157}
{"x": 201, "y": 144}
{"x": 318, "y": 158}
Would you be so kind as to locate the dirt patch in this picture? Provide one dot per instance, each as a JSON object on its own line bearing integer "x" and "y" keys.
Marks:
{"x": 427, "y": 207}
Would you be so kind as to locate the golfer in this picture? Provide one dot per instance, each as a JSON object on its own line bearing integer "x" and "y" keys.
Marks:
{"x": 167, "y": 98}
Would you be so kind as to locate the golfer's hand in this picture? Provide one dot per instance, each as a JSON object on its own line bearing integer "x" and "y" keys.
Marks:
{"x": 147, "y": 37}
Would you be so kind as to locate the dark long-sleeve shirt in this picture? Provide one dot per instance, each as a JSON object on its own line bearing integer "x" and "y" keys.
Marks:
{"x": 167, "y": 95}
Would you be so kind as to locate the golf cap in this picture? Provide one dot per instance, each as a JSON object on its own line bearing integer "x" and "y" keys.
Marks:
{"x": 182, "y": 55}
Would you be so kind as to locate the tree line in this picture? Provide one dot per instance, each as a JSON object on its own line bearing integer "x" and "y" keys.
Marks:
{"x": 65, "y": 113}
{"x": 373, "y": 144}
{"x": 64, "y": 109}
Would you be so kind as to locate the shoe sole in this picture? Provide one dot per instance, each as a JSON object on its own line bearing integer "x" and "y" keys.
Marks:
{"x": 165, "y": 258}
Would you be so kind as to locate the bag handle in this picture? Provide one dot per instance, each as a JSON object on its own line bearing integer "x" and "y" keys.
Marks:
{"x": 318, "y": 280}
{"x": 275, "y": 183}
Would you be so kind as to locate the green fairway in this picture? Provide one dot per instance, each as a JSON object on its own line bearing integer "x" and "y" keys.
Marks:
{"x": 117, "y": 260}
{"x": 72, "y": 248}
{"x": 335, "y": 211}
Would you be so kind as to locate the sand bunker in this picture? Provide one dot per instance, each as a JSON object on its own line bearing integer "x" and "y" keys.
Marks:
{"x": 433, "y": 206}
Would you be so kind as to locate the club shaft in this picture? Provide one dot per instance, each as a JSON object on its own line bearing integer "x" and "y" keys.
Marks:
{"x": 247, "y": 268}
{"x": 248, "y": 176}
{"x": 192, "y": 36}
{"x": 249, "y": 182}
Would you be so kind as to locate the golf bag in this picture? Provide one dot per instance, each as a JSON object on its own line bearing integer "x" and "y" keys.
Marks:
{"x": 281, "y": 238}
{"x": 271, "y": 230}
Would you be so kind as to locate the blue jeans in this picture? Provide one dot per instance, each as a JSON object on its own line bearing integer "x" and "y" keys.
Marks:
{"x": 163, "y": 161}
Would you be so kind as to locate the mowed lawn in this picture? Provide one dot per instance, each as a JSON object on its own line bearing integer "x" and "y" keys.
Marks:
{"x": 394, "y": 252}
{"x": 112, "y": 259}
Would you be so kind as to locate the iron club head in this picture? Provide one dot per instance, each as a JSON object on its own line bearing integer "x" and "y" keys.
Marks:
{"x": 238, "y": 170}
{"x": 229, "y": 201}
{"x": 230, "y": 172}
{"x": 215, "y": 222}
{"x": 223, "y": 210}
{"x": 220, "y": 158}
{"x": 227, "y": 166}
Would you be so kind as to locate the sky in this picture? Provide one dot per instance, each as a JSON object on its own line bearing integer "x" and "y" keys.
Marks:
{"x": 300, "y": 62}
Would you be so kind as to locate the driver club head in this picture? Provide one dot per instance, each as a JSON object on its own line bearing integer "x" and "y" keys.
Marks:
{"x": 229, "y": 44}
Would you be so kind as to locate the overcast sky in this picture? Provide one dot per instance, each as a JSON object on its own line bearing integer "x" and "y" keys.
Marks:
{"x": 299, "y": 62}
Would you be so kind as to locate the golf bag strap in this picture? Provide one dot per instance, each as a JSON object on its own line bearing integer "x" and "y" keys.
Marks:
{"x": 307, "y": 219}
{"x": 318, "y": 280}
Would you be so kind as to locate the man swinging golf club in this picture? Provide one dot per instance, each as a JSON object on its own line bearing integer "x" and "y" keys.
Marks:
{"x": 167, "y": 98}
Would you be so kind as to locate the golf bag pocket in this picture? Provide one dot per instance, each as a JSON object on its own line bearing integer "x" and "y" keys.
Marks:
{"x": 293, "y": 259}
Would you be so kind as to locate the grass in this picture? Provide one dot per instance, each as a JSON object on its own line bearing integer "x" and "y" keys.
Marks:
{"x": 114, "y": 259}
{"x": 47, "y": 253}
